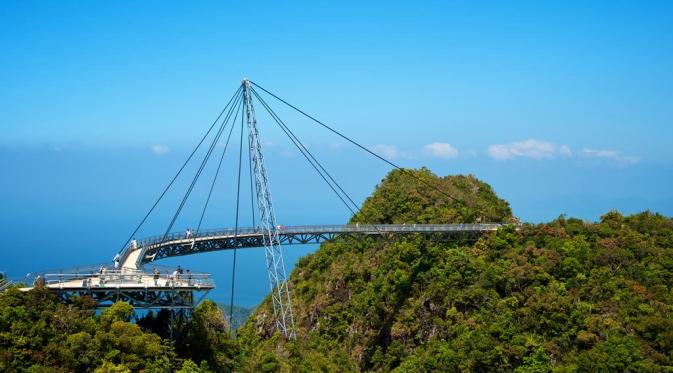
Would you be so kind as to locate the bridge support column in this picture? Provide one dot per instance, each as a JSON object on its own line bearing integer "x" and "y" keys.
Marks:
{"x": 280, "y": 294}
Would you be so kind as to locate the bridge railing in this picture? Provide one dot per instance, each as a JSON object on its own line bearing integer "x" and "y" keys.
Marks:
{"x": 82, "y": 270}
{"x": 376, "y": 228}
{"x": 124, "y": 278}
{"x": 202, "y": 233}
{"x": 308, "y": 229}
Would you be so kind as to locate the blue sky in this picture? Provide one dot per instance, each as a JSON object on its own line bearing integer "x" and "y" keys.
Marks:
{"x": 564, "y": 107}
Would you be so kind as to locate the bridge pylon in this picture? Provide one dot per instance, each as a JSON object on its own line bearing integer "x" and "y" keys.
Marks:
{"x": 280, "y": 293}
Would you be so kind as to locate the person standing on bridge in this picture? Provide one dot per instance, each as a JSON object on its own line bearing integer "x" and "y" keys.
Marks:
{"x": 103, "y": 273}
{"x": 189, "y": 278}
{"x": 188, "y": 233}
{"x": 174, "y": 278}
{"x": 134, "y": 243}
{"x": 39, "y": 281}
{"x": 155, "y": 275}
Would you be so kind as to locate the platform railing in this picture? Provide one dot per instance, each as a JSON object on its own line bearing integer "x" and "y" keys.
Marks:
{"x": 124, "y": 278}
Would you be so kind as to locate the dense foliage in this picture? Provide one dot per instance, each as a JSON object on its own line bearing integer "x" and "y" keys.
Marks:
{"x": 565, "y": 296}
{"x": 40, "y": 334}
{"x": 418, "y": 196}
{"x": 37, "y": 332}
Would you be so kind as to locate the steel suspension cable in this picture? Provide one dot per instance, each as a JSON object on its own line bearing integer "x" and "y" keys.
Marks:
{"x": 180, "y": 170}
{"x": 200, "y": 170}
{"x": 309, "y": 157}
{"x": 219, "y": 165}
{"x": 291, "y": 133}
{"x": 252, "y": 195}
{"x": 286, "y": 129}
{"x": 238, "y": 199}
{"x": 359, "y": 146}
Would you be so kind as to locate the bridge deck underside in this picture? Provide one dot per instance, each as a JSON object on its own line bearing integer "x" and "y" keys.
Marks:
{"x": 151, "y": 298}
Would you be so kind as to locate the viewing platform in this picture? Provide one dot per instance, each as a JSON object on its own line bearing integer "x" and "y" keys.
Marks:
{"x": 151, "y": 288}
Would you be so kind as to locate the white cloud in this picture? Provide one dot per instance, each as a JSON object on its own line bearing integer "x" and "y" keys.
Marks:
{"x": 564, "y": 151}
{"x": 160, "y": 149}
{"x": 529, "y": 148}
{"x": 386, "y": 151}
{"x": 612, "y": 155}
{"x": 538, "y": 149}
{"x": 440, "y": 150}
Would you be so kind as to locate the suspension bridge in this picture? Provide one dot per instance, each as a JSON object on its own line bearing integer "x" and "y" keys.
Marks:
{"x": 136, "y": 278}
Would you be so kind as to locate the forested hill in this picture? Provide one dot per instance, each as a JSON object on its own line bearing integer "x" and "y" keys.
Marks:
{"x": 564, "y": 296}
{"x": 419, "y": 196}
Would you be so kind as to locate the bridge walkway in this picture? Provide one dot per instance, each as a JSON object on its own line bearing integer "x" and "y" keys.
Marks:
{"x": 178, "y": 244}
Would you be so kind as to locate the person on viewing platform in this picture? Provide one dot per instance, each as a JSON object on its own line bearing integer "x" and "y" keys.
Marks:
{"x": 155, "y": 275}
{"x": 39, "y": 281}
{"x": 103, "y": 272}
{"x": 189, "y": 277}
{"x": 177, "y": 273}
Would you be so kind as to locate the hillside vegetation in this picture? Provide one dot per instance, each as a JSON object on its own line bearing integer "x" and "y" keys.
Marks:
{"x": 564, "y": 296}
{"x": 40, "y": 334}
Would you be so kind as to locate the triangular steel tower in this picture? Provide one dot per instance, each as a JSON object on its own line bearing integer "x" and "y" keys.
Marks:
{"x": 280, "y": 294}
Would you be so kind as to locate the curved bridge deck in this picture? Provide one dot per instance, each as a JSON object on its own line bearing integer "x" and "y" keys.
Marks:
{"x": 178, "y": 244}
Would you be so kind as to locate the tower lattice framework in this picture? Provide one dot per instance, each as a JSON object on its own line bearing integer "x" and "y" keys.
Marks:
{"x": 280, "y": 293}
